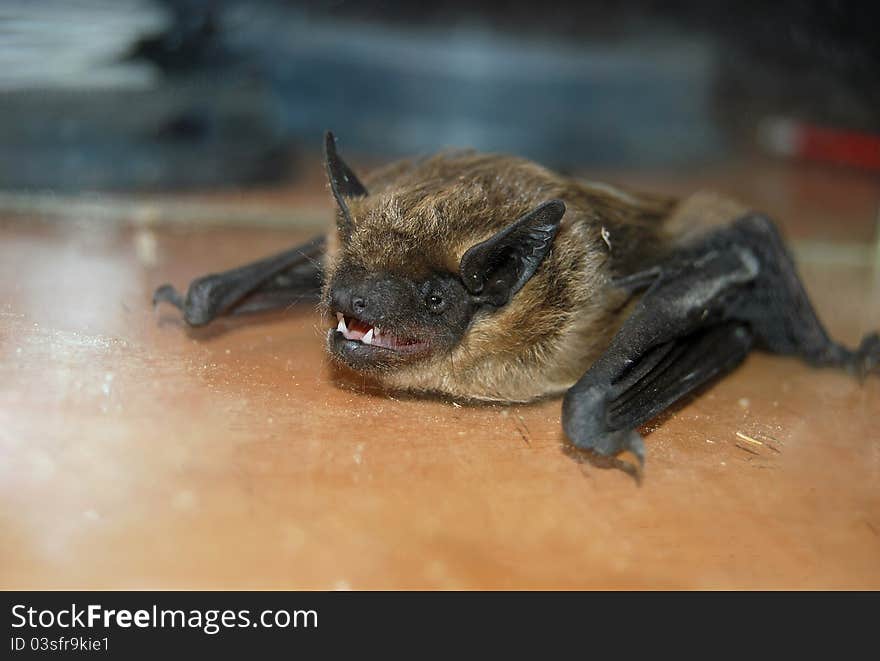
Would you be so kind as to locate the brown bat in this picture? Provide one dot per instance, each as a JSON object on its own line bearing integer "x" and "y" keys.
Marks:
{"x": 489, "y": 277}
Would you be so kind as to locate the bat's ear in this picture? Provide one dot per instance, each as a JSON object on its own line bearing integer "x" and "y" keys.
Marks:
{"x": 343, "y": 181}
{"x": 497, "y": 268}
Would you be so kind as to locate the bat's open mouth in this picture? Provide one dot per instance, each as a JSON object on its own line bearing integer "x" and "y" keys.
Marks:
{"x": 353, "y": 334}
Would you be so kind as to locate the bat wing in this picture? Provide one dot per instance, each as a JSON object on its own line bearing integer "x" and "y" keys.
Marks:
{"x": 271, "y": 283}
{"x": 706, "y": 307}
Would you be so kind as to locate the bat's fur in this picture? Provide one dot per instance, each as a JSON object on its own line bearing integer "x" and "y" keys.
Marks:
{"x": 544, "y": 340}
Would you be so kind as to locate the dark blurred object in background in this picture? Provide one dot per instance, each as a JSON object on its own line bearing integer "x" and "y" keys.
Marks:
{"x": 149, "y": 94}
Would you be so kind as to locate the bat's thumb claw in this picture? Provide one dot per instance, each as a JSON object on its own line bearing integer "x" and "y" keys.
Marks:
{"x": 583, "y": 418}
{"x": 168, "y": 294}
{"x": 636, "y": 445}
{"x": 632, "y": 443}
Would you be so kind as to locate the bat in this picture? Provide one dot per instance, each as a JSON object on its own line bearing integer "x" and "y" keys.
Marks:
{"x": 489, "y": 277}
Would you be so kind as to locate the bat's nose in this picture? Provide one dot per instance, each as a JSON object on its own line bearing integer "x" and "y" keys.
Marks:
{"x": 340, "y": 299}
{"x": 371, "y": 299}
{"x": 358, "y": 305}
{"x": 354, "y": 301}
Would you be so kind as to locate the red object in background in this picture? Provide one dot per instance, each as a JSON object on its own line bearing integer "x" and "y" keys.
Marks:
{"x": 788, "y": 137}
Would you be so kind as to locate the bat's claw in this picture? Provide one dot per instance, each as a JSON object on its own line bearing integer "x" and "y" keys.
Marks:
{"x": 616, "y": 443}
{"x": 583, "y": 418}
{"x": 623, "y": 450}
{"x": 867, "y": 356}
{"x": 200, "y": 304}
{"x": 168, "y": 294}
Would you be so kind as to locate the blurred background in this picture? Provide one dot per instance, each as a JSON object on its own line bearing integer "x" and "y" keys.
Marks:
{"x": 170, "y": 95}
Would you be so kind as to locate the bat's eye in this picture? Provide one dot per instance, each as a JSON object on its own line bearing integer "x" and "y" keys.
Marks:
{"x": 435, "y": 302}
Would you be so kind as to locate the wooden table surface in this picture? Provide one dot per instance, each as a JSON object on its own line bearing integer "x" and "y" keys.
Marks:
{"x": 135, "y": 453}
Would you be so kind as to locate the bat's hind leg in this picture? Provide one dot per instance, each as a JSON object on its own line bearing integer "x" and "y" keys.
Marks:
{"x": 270, "y": 283}
{"x": 779, "y": 310}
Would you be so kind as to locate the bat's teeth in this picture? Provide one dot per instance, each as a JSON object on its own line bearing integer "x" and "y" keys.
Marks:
{"x": 368, "y": 338}
{"x": 376, "y": 331}
{"x": 342, "y": 328}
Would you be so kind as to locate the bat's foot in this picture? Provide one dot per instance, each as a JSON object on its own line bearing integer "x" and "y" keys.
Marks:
{"x": 867, "y": 357}
{"x": 859, "y": 362}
